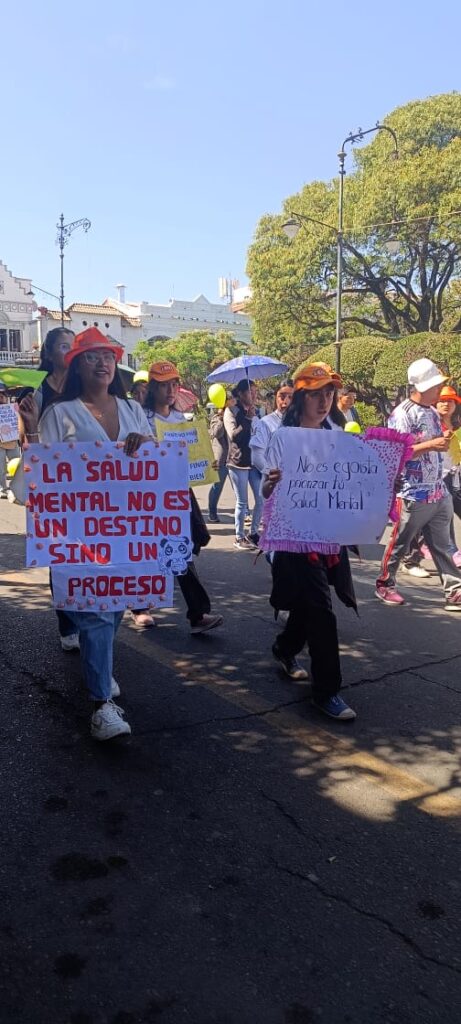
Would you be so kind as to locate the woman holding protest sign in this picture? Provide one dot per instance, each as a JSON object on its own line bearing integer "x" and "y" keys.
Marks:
{"x": 93, "y": 407}
{"x": 301, "y": 581}
{"x": 160, "y": 405}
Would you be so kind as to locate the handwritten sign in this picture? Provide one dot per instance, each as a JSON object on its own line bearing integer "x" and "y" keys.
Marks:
{"x": 201, "y": 456}
{"x": 335, "y": 489}
{"x": 110, "y": 588}
{"x": 8, "y": 423}
{"x": 91, "y": 506}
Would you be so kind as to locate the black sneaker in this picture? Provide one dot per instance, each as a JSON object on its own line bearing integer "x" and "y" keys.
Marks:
{"x": 290, "y": 666}
{"x": 213, "y": 519}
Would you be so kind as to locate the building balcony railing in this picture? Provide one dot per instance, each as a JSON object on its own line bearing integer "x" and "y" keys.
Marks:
{"x": 19, "y": 358}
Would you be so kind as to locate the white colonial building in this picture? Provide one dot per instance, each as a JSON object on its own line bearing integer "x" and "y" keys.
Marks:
{"x": 16, "y": 312}
{"x": 130, "y": 322}
{"x": 197, "y": 314}
{"x": 80, "y": 315}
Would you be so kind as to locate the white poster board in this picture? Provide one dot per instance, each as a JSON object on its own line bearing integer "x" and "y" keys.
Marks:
{"x": 9, "y": 429}
{"x": 335, "y": 489}
{"x": 115, "y": 530}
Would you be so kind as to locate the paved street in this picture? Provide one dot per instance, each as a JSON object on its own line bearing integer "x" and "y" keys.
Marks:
{"x": 239, "y": 860}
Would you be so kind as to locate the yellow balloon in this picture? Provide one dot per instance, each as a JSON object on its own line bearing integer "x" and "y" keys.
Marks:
{"x": 217, "y": 395}
{"x": 12, "y": 466}
{"x": 352, "y": 427}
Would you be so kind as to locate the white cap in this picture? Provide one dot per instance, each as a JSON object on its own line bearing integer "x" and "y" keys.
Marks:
{"x": 424, "y": 374}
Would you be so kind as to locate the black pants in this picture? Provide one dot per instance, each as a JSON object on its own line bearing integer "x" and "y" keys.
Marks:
{"x": 194, "y": 594}
{"x": 317, "y": 628}
{"x": 65, "y": 625}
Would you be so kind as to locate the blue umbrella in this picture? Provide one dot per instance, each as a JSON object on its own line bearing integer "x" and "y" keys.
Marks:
{"x": 257, "y": 367}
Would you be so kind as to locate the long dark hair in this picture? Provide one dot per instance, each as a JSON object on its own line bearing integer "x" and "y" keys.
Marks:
{"x": 456, "y": 415}
{"x": 150, "y": 401}
{"x": 293, "y": 415}
{"x": 46, "y": 351}
{"x": 243, "y": 385}
{"x": 335, "y": 414}
{"x": 74, "y": 387}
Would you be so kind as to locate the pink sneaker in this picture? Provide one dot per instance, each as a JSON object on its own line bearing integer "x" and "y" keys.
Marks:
{"x": 389, "y": 595}
{"x": 425, "y": 552}
{"x": 457, "y": 559}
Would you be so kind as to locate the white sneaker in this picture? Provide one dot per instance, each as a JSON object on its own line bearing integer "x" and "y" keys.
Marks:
{"x": 70, "y": 643}
{"x": 415, "y": 570}
{"x": 114, "y": 688}
{"x": 107, "y": 722}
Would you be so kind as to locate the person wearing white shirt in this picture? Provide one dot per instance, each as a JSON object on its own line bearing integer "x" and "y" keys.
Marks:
{"x": 262, "y": 430}
{"x": 93, "y": 407}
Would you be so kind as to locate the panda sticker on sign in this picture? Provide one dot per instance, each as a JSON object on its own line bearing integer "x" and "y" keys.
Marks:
{"x": 174, "y": 554}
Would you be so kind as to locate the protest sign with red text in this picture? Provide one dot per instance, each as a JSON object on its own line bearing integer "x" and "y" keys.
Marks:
{"x": 112, "y": 527}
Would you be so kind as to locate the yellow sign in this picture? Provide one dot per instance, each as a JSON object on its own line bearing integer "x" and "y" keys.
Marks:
{"x": 455, "y": 449}
{"x": 200, "y": 452}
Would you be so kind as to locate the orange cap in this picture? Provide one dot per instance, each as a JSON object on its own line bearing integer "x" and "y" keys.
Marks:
{"x": 90, "y": 341}
{"x": 314, "y": 376}
{"x": 162, "y": 372}
{"x": 448, "y": 394}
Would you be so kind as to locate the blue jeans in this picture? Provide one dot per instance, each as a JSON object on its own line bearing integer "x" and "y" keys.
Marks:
{"x": 97, "y": 634}
{"x": 240, "y": 478}
{"x": 215, "y": 491}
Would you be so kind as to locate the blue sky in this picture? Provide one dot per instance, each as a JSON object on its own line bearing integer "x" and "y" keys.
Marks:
{"x": 174, "y": 126}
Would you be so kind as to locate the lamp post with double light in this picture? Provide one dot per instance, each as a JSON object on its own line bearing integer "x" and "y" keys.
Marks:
{"x": 64, "y": 233}
{"x": 291, "y": 226}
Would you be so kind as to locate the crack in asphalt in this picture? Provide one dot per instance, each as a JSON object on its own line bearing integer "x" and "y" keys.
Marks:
{"x": 372, "y": 915}
{"x": 401, "y": 671}
{"x": 291, "y": 818}
{"x": 445, "y": 686}
{"x": 222, "y": 718}
{"x": 37, "y": 678}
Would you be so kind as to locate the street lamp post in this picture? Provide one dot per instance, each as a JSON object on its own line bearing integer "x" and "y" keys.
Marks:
{"x": 64, "y": 233}
{"x": 291, "y": 226}
{"x": 353, "y": 137}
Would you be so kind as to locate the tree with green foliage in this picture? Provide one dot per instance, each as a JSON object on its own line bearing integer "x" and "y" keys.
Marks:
{"x": 414, "y": 201}
{"x": 194, "y": 353}
{"x": 378, "y": 367}
{"x": 392, "y": 366}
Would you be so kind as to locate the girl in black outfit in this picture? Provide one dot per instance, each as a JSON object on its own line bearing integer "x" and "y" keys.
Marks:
{"x": 301, "y": 582}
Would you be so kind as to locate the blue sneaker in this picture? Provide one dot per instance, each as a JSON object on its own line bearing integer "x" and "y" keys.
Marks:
{"x": 335, "y": 707}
